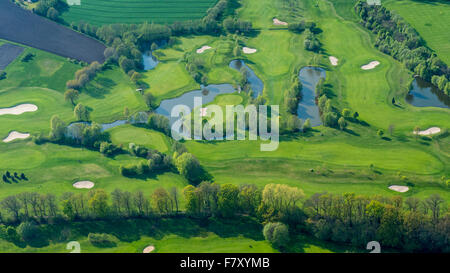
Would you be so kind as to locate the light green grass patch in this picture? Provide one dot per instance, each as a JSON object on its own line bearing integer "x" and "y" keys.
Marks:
{"x": 127, "y": 134}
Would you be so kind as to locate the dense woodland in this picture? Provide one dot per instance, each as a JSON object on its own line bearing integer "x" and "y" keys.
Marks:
{"x": 404, "y": 224}
{"x": 397, "y": 38}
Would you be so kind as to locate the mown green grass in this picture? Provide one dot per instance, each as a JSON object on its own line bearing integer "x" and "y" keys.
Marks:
{"x": 101, "y": 12}
{"x": 127, "y": 134}
{"x": 325, "y": 159}
{"x": 430, "y": 18}
{"x": 108, "y": 95}
{"x": 54, "y": 168}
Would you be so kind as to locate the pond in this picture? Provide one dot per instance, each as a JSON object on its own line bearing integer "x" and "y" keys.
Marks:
{"x": 256, "y": 83}
{"x": 307, "y": 108}
{"x": 75, "y": 129}
{"x": 149, "y": 61}
{"x": 424, "y": 94}
{"x": 207, "y": 93}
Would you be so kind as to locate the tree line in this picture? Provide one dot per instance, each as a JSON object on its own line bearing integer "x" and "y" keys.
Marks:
{"x": 409, "y": 224}
{"x": 398, "y": 39}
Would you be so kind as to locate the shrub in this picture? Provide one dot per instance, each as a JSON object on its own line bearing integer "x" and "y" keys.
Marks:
{"x": 27, "y": 231}
{"x": 2, "y": 75}
{"x": 276, "y": 233}
{"x": 102, "y": 240}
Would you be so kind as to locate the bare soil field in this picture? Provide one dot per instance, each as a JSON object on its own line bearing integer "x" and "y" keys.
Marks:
{"x": 8, "y": 53}
{"x": 24, "y": 27}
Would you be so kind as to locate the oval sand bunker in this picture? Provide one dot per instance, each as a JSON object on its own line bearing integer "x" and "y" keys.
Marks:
{"x": 83, "y": 185}
{"x": 370, "y": 65}
{"x": 279, "y": 23}
{"x": 148, "y": 249}
{"x": 333, "y": 60}
{"x": 15, "y": 135}
{"x": 202, "y": 49}
{"x": 429, "y": 131}
{"x": 248, "y": 50}
{"x": 399, "y": 188}
{"x": 19, "y": 109}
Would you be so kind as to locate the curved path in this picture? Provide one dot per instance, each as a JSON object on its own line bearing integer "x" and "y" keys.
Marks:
{"x": 22, "y": 26}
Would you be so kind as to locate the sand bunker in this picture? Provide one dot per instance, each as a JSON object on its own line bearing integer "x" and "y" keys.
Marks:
{"x": 370, "y": 65}
{"x": 18, "y": 110}
{"x": 83, "y": 185}
{"x": 333, "y": 60}
{"x": 15, "y": 135}
{"x": 279, "y": 23}
{"x": 429, "y": 131}
{"x": 148, "y": 249}
{"x": 202, "y": 49}
{"x": 399, "y": 188}
{"x": 248, "y": 50}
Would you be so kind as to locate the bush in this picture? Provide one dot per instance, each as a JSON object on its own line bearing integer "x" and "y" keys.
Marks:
{"x": 276, "y": 233}
{"x": 102, "y": 240}
{"x": 28, "y": 231}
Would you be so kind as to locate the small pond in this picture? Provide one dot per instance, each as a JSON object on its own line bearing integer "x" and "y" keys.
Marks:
{"x": 424, "y": 94}
{"x": 307, "y": 108}
{"x": 207, "y": 93}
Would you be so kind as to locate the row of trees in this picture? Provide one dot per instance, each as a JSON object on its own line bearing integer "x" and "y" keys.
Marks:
{"x": 51, "y": 9}
{"x": 291, "y": 123}
{"x": 397, "y": 38}
{"x": 83, "y": 76}
{"x": 411, "y": 224}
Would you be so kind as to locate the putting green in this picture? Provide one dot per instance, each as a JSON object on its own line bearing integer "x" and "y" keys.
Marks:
{"x": 127, "y": 134}
{"x": 225, "y": 100}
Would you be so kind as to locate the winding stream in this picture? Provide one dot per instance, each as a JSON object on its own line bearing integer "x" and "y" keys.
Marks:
{"x": 256, "y": 83}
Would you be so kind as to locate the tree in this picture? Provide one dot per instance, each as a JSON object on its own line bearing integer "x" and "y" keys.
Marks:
{"x": 52, "y": 13}
{"x": 342, "y": 123}
{"x": 28, "y": 231}
{"x": 57, "y": 128}
{"x": 276, "y": 233}
{"x": 346, "y": 113}
{"x": 162, "y": 201}
{"x": 189, "y": 167}
{"x": 228, "y": 200}
{"x": 174, "y": 196}
{"x": 434, "y": 203}
{"x": 281, "y": 197}
{"x": 126, "y": 64}
{"x": 237, "y": 51}
{"x": 149, "y": 100}
{"x": 306, "y": 125}
{"x": 249, "y": 198}
{"x": 71, "y": 95}
{"x": 416, "y": 131}
{"x": 135, "y": 77}
{"x": 355, "y": 115}
{"x": 81, "y": 112}
{"x": 13, "y": 205}
{"x": 98, "y": 203}
{"x": 380, "y": 133}
{"x": 390, "y": 230}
